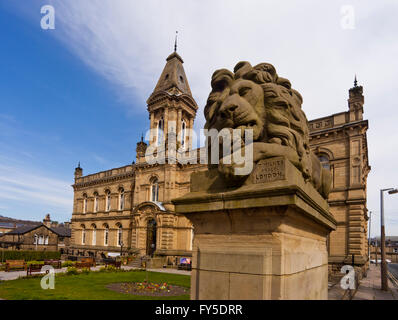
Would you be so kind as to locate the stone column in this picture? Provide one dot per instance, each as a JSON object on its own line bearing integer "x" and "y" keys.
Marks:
{"x": 263, "y": 240}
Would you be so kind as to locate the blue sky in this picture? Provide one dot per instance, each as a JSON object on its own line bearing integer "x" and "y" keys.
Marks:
{"x": 77, "y": 93}
{"x": 54, "y": 112}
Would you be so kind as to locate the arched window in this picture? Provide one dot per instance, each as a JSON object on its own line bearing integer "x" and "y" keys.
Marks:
{"x": 46, "y": 240}
{"x": 324, "y": 161}
{"x": 183, "y": 133}
{"x": 36, "y": 239}
{"x": 106, "y": 235}
{"x": 160, "y": 131}
{"x": 155, "y": 190}
{"x": 95, "y": 201}
{"x": 108, "y": 201}
{"x": 41, "y": 239}
{"x": 84, "y": 203}
{"x": 94, "y": 237}
{"x": 121, "y": 199}
{"x": 119, "y": 235}
{"x": 83, "y": 234}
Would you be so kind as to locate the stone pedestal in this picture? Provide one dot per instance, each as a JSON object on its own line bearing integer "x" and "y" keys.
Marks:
{"x": 263, "y": 240}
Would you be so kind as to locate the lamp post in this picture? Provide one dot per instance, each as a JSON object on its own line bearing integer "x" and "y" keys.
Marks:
{"x": 384, "y": 282}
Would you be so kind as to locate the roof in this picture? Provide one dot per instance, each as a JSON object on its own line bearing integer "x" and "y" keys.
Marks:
{"x": 61, "y": 231}
{"x": 24, "y": 229}
{"x": 173, "y": 76}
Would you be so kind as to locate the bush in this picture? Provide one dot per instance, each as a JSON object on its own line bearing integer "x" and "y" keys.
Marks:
{"x": 109, "y": 268}
{"x": 72, "y": 271}
{"x": 34, "y": 262}
{"x": 31, "y": 255}
{"x": 68, "y": 264}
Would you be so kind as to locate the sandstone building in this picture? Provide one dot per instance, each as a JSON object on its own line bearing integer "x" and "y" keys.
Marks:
{"x": 340, "y": 142}
{"x": 129, "y": 209}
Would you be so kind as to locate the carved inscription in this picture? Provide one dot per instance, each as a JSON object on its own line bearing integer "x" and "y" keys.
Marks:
{"x": 269, "y": 170}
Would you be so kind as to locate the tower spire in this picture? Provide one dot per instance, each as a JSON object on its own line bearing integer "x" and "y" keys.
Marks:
{"x": 355, "y": 81}
{"x": 175, "y": 42}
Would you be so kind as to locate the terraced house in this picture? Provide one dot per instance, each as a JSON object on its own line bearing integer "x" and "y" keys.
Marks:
{"x": 129, "y": 210}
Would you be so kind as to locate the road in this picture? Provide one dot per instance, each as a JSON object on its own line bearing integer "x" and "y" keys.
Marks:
{"x": 393, "y": 268}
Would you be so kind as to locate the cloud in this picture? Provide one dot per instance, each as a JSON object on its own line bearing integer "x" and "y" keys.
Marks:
{"x": 22, "y": 185}
{"x": 127, "y": 42}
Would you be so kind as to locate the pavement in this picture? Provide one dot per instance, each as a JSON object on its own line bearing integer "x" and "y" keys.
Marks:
{"x": 168, "y": 270}
{"x": 12, "y": 275}
{"x": 369, "y": 287}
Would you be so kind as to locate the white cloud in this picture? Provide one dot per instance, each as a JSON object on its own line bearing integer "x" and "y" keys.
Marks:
{"x": 22, "y": 185}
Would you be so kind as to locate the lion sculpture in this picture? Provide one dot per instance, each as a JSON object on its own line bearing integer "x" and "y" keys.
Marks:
{"x": 257, "y": 98}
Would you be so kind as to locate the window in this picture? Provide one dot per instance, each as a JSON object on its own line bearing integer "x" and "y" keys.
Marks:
{"x": 183, "y": 127}
{"x": 84, "y": 203}
{"x": 94, "y": 237}
{"x": 83, "y": 234}
{"x": 95, "y": 202}
{"x": 46, "y": 240}
{"x": 106, "y": 235}
{"x": 160, "y": 131}
{"x": 324, "y": 161}
{"x": 108, "y": 200}
{"x": 121, "y": 199}
{"x": 35, "y": 241}
{"x": 119, "y": 236}
{"x": 155, "y": 190}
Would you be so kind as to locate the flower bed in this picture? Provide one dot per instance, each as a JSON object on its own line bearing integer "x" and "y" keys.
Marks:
{"x": 148, "y": 289}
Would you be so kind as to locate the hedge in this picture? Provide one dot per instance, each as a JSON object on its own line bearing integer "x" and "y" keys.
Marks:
{"x": 30, "y": 255}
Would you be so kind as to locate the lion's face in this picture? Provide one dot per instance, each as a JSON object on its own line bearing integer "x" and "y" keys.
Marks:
{"x": 242, "y": 107}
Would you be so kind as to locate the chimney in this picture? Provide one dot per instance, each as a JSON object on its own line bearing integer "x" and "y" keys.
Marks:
{"x": 47, "y": 220}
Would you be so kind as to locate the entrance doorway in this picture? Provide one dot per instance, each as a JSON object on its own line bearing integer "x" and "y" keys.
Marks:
{"x": 151, "y": 237}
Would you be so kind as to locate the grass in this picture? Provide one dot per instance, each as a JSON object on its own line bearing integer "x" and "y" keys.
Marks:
{"x": 90, "y": 286}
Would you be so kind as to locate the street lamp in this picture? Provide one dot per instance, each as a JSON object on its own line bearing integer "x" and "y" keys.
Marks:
{"x": 384, "y": 282}
{"x": 370, "y": 224}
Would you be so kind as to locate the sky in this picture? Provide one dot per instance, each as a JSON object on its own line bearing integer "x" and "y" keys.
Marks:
{"x": 78, "y": 92}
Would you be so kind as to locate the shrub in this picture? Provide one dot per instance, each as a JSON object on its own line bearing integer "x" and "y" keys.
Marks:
{"x": 68, "y": 264}
{"x": 72, "y": 271}
{"x": 34, "y": 262}
{"x": 109, "y": 268}
{"x": 31, "y": 255}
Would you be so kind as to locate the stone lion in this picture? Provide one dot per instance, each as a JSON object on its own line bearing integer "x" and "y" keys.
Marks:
{"x": 257, "y": 98}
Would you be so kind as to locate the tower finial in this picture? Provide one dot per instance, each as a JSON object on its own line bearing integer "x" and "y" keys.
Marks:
{"x": 175, "y": 43}
{"x": 78, "y": 165}
{"x": 142, "y": 137}
{"x": 355, "y": 81}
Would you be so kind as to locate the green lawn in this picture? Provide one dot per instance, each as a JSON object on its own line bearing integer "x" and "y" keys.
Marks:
{"x": 88, "y": 286}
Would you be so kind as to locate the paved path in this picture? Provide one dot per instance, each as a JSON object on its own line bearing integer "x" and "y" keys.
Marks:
{"x": 168, "y": 270}
{"x": 370, "y": 287}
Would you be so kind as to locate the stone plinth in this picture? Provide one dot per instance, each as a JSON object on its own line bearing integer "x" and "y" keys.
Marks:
{"x": 263, "y": 240}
